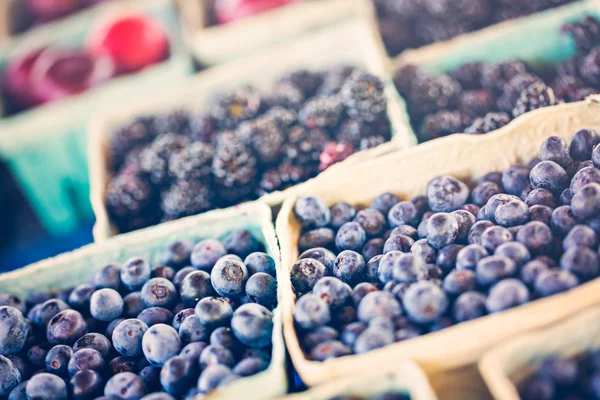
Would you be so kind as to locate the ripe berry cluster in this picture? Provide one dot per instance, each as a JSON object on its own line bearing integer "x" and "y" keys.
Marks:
{"x": 398, "y": 269}
{"x": 479, "y": 98}
{"x": 199, "y": 321}
{"x": 413, "y": 23}
{"x": 244, "y": 145}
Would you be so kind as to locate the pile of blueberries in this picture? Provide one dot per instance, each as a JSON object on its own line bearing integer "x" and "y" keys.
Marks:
{"x": 398, "y": 269}
{"x": 479, "y": 98}
{"x": 384, "y": 396}
{"x": 560, "y": 377}
{"x": 245, "y": 144}
{"x": 199, "y": 321}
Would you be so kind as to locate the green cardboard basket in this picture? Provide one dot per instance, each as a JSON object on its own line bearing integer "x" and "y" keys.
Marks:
{"x": 46, "y": 146}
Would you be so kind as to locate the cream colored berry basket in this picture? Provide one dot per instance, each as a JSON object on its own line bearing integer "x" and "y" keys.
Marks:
{"x": 448, "y": 357}
{"x": 350, "y": 42}
{"x": 78, "y": 267}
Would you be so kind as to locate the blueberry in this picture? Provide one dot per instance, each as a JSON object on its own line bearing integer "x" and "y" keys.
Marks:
{"x": 333, "y": 291}
{"x": 134, "y": 273}
{"x": 312, "y": 212}
{"x": 565, "y": 197}
{"x": 86, "y": 359}
{"x": 162, "y": 271}
{"x": 384, "y": 202}
{"x": 159, "y": 343}
{"x": 582, "y": 144}
{"x": 405, "y": 230}
{"x": 176, "y": 376}
{"x": 311, "y": 312}
{"x": 465, "y": 221}
{"x": 372, "y": 339}
{"x": 94, "y": 341}
{"x": 433, "y": 272}
{"x": 193, "y": 330}
{"x": 483, "y": 192}
{"x": 549, "y": 175}
{"x": 341, "y": 213}
{"x": 320, "y": 237}
{"x": 423, "y": 249}
{"x": 20, "y": 362}
{"x": 351, "y": 333}
{"x": 446, "y": 258}
{"x": 583, "y": 177}
{"x": 406, "y": 333}
{"x": 306, "y": 272}
{"x": 155, "y": 315}
{"x": 260, "y": 353}
{"x": 477, "y": 230}
{"x": 471, "y": 208}
{"x": 224, "y": 336}
{"x": 372, "y": 221}
{"x": 13, "y": 301}
{"x": 408, "y": 268}
{"x": 540, "y": 197}
{"x": 586, "y": 202}
{"x": 495, "y": 236}
{"x": 14, "y": 328}
{"x": 442, "y": 230}
{"x": 372, "y": 269}
{"x": 581, "y": 262}
{"x": 36, "y": 357}
{"x": 86, "y": 384}
{"x": 19, "y": 392}
{"x": 38, "y": 297}
{"x": 192, "y": 351}
{"x": 554, "y": 281}
{"x": 216, "y": 354}
{"x": 79, "y": 298}
{"x": 133, "y": 304}
{"x": 468, "y": 306}
{"x": 111, "y": 327}
{"x": 228, "y": 278}
{"x": 177, "y": 254}
{"x": 181, "y": 274}
{"x": 125, "y": 386}
{"x": 403, "y": 213}
{"x": 581, "y": 235}
{"x": 261, "y": 288}
{"x": 66, "y": 327}
{"x": 127, "y": 337}
{"x": 425, "y": 302}
{"x": 563, "y": 220}
{"x": 213, "y": 377}
{"x": 250, "y": 366}
{"x": 564, "y": 371}
{"x": 596, "y": 156}
{"x": 213, "y": 311}
{"x": 541, "y": 213}
{"x": 320, "y": 335}
{"x": 107, "y": 277}
{"x": 446, "y": 194}
{"x": 349, "y": 266}
{"x": 150, "y": 376}
{"x": 492, "y": 269}
{"x": 241, "y": 243}
{"x": 350, "y": 236}
{"x": 515, "y": 251}
{"x": 398, "y": 243}
{"x": 10, "y": 376}
{"x": 195, "y": 286}
{"x": 538, "y": 388}
{"x": 372, "y": 248}
{"x": 555, "y": 149}
{"x": 378, "y": 304}
{"x": 48, "y": 310}
{"x": 260, "y": 262}
{"x": 469, "y": 256}
{"x": 106, "y": 304}
{"x": 506, "y": 294}
{"x": 458, "y": 282}
{"x": 159, "y": 292}
{"x": 515, "y": 178}
{"x": 331, "y": 349}
{"x": 46, "y": 386}
{"x": 532, "y": 270}
{"x": 512, "y": 213}
{"x": 123, "y": 364}
{"x": 252, "y": 324}
{"x": 206, "y": 253}
{"x": 385, "y": 270}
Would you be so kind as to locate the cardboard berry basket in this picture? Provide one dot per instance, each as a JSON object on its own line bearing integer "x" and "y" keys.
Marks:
{"x": 403, "y": 377}
{"x": 78, "y": 266}
{"x": 349, "y": 42}
{"x": 46, "y": 146}
{"x": 535, "y": 39}
{"x": 448, "y": 357}
{"x": 511, "y": 362}
{"x": 216, "y": 43}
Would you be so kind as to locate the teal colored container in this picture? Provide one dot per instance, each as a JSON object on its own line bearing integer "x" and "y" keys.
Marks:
{"x": 46, "y": 147}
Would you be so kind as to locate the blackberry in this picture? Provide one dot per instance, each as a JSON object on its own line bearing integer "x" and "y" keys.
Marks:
{"x": 434, "y": 93}
{"x": 494, "y": 77}
{"x": 322, "y": 112}
{"x": 585, "y": 32}
{"x": 128, "y": 198}
{"x": 469, "y": 76}
{"x": 282, "y": 177}
{"x": 284, "y": 95}
{"x": 235, "y": 106}
{"x": 304, "y": 146}
{"x": 173, "y": 122}
{"x": 400, "y": 9}
{"x": 569, "y": 67}
{"x": 334, "y": 79}
{"x": 371, "y": 142}
{"x": 282, "y": 116}
{"x": 128, "y": 137}
{"x": 234, "y": 171}
{"x": 406, "y": 76}
{"x": 397, "y": 35}
{"x": 154, "y": 160}
{"x": 203, "y": 128}
{"x": 476, "y": 103}
{"x": 566, "y": 87}
{"x": 264, "y": 136}
{"x": 270, "y": 181}
{"x": 536, "y": 96}
{"x": 334, "y": 152}
{"x": 589, "y": 68}
{"x": 186, "y": 197}
{"x": 489, "y": 123}
{"x": 442, "y": 123}
{"x": 192, "y": 162}
{"x": 363, "y": 95}
{"x": 474, "y": 11}
{"x": 353, "y": 131}
{"x": 307, "y": 81}
{"x": 583, "y": 93}
{"x": 430, "y": 30}
{"x": 512, "y": 90}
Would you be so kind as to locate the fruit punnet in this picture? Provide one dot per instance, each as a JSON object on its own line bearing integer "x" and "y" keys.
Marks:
{"x": 137, "y": 330}
{"x": 232, "y": 10}
{"x": 479, "y": 98}
{"x": 245, "y": 144}
{"x": 398, "y": 269}
{"x": 561, "y": 377}
{"x": 407, "y": 24}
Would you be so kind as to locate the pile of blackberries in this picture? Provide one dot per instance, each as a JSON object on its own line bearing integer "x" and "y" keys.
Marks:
{"x": 398, "y": 269}
{"x": 479, "y": 98}
{"x": 201, "y": 320}
{"x": 244, "y": 145}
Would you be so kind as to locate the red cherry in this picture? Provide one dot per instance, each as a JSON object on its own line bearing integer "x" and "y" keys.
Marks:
{"x": 16, "y": 80}
{"x": 133, "y": 42}
{"x": 46, "y": 10}
{"x": 232, "y": 10}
